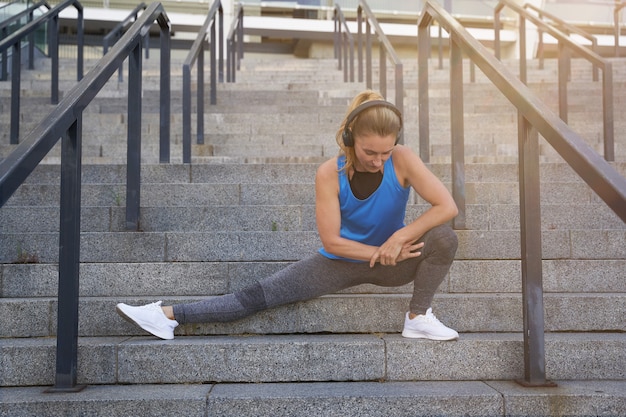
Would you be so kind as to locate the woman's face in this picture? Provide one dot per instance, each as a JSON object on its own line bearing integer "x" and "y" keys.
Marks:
{"x": 372, "y": 151}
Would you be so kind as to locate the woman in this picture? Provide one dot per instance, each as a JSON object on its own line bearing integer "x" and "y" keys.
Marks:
{"x": 361, "y": 197}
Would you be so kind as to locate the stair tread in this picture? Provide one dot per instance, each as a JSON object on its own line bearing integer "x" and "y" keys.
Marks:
{"x": 346, "y": 399}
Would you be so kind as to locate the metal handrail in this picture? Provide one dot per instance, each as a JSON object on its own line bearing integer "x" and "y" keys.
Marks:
{"x": 116, "y": 33}
{"x": 566, "y": 46}
{"x": 4, "y": 25}
{"x": 65, "y": 122}
{"x": 565, "y": 27}
{"x": 14, "y": 42}
{"x": 617, "y": 32}
{"x": 343, "y": 41}
{"x": 196, "y": 53}
{"x": 385, "y": 49}
{"x": 234, "y": 45}
{"x": 534, "y": 118}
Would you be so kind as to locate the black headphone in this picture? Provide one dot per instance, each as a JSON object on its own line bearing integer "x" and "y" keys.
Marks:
{"x": 348, "y": 139}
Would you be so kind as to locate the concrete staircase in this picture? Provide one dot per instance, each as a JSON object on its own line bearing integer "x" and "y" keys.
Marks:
{"x": 245, "y": 208}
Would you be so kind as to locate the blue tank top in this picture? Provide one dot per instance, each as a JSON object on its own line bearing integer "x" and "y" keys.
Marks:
{"x": 373, "y": 220}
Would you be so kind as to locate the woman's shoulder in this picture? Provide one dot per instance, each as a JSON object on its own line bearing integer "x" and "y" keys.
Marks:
{"x": 406, "y": 163}
{"x": 328, "y": 168}
{"x": 403, "y": 155}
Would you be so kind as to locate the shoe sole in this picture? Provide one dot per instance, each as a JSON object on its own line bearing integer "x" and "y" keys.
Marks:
{"x": 129, "y": 319}
{"x": 411, "y": 334}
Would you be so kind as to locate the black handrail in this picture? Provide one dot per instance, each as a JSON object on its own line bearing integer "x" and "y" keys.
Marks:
{"x": 234, "y": 45}
{"x": 14, "y": 41}
{"x": 617, "y": 31}
{"x": 116, "y": 33}
{"x": 566, "y": 46}
{"x": 385, "y": 49}
{"x": 564, "y": 27}
{"x": 197, "y": 53}
{"x": 65, "y": 122}
{"x": 344, "y": 45}
{"x": 4, "y": 26}
{"x": 534, "y": 118}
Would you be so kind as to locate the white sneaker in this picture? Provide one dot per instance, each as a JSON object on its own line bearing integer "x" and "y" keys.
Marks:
{"x": 426, "y": 326}
{"x": 150, "y": 318}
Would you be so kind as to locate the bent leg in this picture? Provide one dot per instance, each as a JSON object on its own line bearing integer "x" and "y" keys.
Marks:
{"x": 440, "y": 244}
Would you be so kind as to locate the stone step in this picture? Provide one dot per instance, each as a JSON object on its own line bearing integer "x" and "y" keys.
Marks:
{"x": 336, "y": 314}
{"x": 242, "y": 246}
{"x": 141, "y": 279}
{"x": 346, "y": 399}
{"x": 286, "y": 214}
{"x": 285, "y": 173}
{"x": 226, "y": 193}
{"x": 314, "y": 358}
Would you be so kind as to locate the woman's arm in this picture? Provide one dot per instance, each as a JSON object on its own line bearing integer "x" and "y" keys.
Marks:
{"x": 411, "y": 171}
{"x": 328, "y": 216}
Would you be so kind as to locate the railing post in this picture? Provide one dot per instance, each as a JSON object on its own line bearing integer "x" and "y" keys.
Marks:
{"x": 423, "y": 53}
{"x": 213, "y": 46}
{"x": 120, "y": 70}
{"x": 540, "y": 49}
{"x": 200, "y": 93}
{"x": 336, "y": 35}
{"x": 368, "y": 54}
{"x": 496, "y": 33}
{"x": 240, "y": 40}
{"x": 31, "y": 44}
{"x": 54, "y": 56}
{"x": 133, "y": 174}
{"x": 221, "y": 46}
{"x": 186, "y": 114}
{"x": 230, "y": 60}
{"x": 5, "y": 58}
{"x": 382, "y": 70}
{"x": 69, "y": 262}
{"x": 531, "y": 255}
{"x": 607, "y": 107}
{"x": 440, "y": 46}
{"x": 522, "y": 50}
{"x": 563, "y": 64}
{"x": 617, "y": 30}
{"x": 16, "y": 76}
{"x": 457, "y": 132}
{"x": 80, "y": 44}
{"x": 165, "y": 95}
{"x": 343, "y": 56}
{"x": 359, "y": 21}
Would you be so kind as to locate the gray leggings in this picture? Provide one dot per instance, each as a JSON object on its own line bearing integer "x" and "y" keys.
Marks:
{"x": 317, "y": 275}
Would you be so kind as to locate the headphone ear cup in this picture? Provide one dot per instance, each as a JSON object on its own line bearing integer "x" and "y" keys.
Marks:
{"x": 348, "y": 140}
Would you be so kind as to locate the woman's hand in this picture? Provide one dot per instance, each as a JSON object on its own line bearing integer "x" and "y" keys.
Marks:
{"x": 410, "y": 250}
{"x": 394, "y": 251}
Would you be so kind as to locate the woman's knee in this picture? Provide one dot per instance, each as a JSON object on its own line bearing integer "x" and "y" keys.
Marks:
{"x": 441, "y": 241}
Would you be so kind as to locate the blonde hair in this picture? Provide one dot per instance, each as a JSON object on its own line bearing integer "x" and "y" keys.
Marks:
{"x": 378, "y": 120}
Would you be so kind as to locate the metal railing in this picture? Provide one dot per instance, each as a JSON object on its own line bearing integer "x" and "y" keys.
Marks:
{"x": 65, "y": 122}
{"x": 563, "y": 26}
{"x": 617, "y": 31}
{"x": 534, "y": 118}
{"x": 116, "y": 33}
{"x": 196, "y": 56}
{"x": 344, "y": 45}
{"x": 566, "y": 47}
{"x": 234, "y": 45}
{"x": 385, "y": 49}
{"x": 29, "y": 13}
{"x": 51, "y": 17}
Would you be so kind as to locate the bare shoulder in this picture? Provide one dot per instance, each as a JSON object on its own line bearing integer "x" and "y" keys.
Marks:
{"x": 407, "y": 164}
{"x": 404, "y": 155}
{"x": 327, "y": 170}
